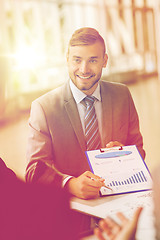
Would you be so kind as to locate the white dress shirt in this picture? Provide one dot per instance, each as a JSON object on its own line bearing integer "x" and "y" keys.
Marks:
{"x": 79, "y": 96}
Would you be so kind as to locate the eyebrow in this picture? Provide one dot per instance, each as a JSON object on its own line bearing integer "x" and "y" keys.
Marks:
{"x": 94, "y": 57}
{"x": 76, "y": 57}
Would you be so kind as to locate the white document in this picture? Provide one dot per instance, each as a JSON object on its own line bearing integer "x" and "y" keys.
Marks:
{"x": 124, "y": 170}
{"x": 127, "y": 204}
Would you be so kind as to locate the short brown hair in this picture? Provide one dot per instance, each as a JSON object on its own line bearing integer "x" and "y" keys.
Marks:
{"x": 86, "y": 36}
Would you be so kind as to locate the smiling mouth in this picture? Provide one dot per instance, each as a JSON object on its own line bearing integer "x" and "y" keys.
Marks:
{"x": 83, "y": 77}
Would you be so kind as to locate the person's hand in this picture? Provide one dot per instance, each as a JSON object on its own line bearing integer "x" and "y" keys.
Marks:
{"x": 86, "y": 186}
{"x": 114, "y": 144}
{"x": 114, "y": 231}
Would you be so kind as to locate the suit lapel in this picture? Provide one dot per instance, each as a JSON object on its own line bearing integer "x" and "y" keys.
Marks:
{"x": 106, "y": 115}
{"x": 73, "y": 114}
{"x": 72, "y": 111}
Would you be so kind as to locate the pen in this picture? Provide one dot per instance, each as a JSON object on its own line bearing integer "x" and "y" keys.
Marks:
{"x": 102, "y": 186}
{"x": 107, "y": 187}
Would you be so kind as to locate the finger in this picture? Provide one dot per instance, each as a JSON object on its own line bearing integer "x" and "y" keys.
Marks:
{"x": 98, "y": 178}
{"x": 116, "y": 143}
{"x": 98, "y": 234}
{"x": 113, "y": 144}
{"x": 110, "y": 144}
{"x": 123, "y": 219}
{"x": 96, "y": 183}
{"x": 105, "y": 227}
{"x": 94, "y": 180}
{"x": 90, "y": 194}
{"x": 89, "y": 189}
{"x": 136, "y": 216}
{"x": 132, "y": 224}
{"x": 92, "y": 175}
{"x": 110, "y": 226}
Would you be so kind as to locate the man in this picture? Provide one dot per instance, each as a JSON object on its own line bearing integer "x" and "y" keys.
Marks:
{"x": 57, "y": 122}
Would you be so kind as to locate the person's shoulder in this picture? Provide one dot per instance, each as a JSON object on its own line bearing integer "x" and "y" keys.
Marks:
{"x": 117, "y": 91}
{"x": 5, "y": 172}
{"x": 115, "y": 88}
{"x": 113, "y": 85}
{"x": 52, "y": 95}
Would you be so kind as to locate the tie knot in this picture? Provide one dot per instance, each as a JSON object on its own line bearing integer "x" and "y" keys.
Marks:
{"x": 89, "y": 100}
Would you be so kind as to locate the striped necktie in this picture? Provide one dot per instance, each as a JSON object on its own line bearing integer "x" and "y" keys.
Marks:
{"x": 92, "y": 135}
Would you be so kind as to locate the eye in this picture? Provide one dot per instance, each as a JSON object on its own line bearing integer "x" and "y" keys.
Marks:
{"x": 76, "y": 60}
{"x": 93, "y": 61}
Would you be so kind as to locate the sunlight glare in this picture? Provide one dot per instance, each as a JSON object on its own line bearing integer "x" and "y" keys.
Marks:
{"x": 27, "y": 58}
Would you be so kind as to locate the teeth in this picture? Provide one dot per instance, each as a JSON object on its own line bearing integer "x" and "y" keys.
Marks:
{"x": 84, "y": 77}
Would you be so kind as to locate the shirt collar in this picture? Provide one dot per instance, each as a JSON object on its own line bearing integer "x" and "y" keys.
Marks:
{"x": 79, "y": 95}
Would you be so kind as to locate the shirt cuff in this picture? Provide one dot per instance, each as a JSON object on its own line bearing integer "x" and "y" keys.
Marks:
{"x": 66, "y": 180}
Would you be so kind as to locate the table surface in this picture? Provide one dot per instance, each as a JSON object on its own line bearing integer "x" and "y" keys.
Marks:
{"x": 125, "y": 203}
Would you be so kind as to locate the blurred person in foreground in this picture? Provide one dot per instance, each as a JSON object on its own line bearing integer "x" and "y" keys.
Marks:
{"x": 57, "y": 130}
{"x": 34, "y": 211}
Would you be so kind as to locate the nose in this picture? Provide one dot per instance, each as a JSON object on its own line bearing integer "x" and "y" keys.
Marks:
{"x": 84, "y": 67}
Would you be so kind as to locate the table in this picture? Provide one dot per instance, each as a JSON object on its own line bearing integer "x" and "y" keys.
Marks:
{"x": 125, "y": 203}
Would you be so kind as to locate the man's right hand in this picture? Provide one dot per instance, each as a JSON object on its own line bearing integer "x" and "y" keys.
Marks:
{"x": 86, "y": 186}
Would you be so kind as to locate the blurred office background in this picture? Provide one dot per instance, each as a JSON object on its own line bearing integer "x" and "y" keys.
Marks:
{"x": 34, "y": 35}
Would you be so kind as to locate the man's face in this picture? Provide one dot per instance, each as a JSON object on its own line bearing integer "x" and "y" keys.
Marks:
{"x": 85, "y": 65}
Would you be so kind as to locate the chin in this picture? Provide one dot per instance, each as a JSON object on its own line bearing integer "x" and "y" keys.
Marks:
{"x": 86, "y": 88}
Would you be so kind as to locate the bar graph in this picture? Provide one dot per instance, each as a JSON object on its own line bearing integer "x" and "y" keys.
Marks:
{"x": 136, "y": 178}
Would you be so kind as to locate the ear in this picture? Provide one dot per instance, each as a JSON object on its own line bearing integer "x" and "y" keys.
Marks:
{"x": 105, "y": 60}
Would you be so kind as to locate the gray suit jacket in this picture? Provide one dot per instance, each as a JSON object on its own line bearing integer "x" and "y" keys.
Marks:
{"x": 56, "y": 136}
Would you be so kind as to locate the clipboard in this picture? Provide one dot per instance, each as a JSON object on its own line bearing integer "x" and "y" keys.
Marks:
{"x": 123, "y": 169}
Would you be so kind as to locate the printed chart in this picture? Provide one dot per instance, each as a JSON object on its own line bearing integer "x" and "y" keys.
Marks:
{"x": 123, "y": 170}
{"x": 138, "y": 177}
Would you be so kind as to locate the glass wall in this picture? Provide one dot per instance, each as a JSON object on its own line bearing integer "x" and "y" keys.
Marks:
{"x": 34, "y": 37}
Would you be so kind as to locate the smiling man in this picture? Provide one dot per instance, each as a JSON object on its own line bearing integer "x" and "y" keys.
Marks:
{"x": 85, "y": 113}
{"x": 85, "y": 63}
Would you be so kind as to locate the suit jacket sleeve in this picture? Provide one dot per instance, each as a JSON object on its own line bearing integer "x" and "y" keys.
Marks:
{"x": 39, "y": 149}
{"x": 56, "y": 136}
